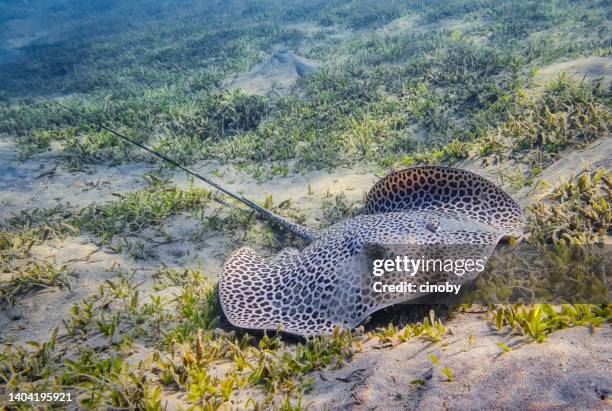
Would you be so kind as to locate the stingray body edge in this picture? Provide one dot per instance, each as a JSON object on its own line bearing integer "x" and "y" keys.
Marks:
{"x": 326, "y": 285}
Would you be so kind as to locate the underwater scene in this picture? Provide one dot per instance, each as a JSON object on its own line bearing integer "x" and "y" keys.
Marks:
{"x": 320, "y": 205}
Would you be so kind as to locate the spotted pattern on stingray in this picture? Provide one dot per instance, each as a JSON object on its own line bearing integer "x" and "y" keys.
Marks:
{"x": 450, "y": 189}
{"x": 329, "y": 283}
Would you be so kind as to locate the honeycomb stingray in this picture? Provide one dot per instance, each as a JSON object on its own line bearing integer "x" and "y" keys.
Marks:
{"x": 420, "y": 211}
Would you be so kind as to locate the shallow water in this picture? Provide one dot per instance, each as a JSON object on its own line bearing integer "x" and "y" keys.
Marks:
{"x": 9, "y": 55}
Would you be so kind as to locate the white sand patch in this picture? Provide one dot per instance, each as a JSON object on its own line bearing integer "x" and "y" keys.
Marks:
{"x": 181, "y": 243}
{"x": 42, "y": 182}
{"x": 324, "y": 186}
{"x": 569, "y": 368}
{"x": 35, "y": 314}
{"x": 597, "y": 155}
{"x": 589, "y": 69}
{"x": 574, "y": 161}
{"x": 278, "y": 72}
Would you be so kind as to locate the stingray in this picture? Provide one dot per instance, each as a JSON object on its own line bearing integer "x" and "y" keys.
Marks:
{"x": 425, "y": 211}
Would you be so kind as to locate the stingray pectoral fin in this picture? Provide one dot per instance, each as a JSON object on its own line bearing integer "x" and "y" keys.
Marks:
{"x": 331, "y": 282}
{"x": 421, "y": 248}
{"x": 246, "y": 291}
{"x": 434, "y": 188}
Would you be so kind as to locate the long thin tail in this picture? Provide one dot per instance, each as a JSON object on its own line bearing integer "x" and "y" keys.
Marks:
{"x": 301, "y": 231}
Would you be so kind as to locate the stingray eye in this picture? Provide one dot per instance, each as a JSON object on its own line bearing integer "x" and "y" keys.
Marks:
{"x": 432, "y": 226}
